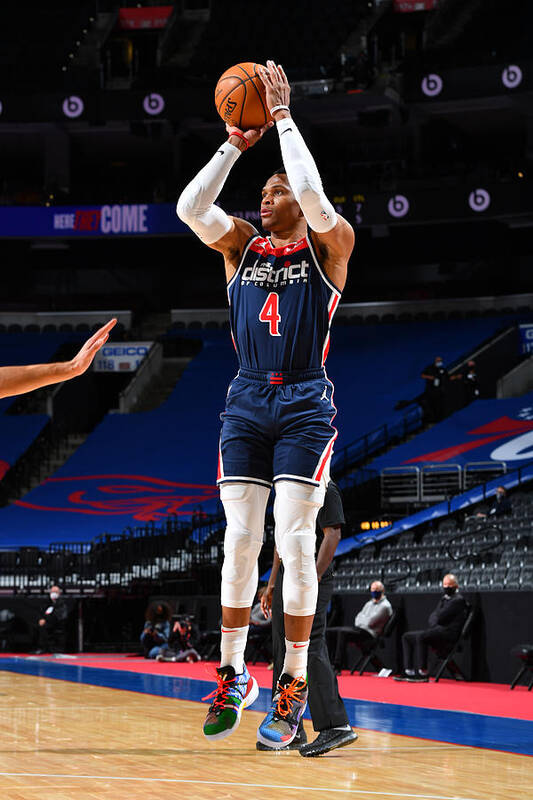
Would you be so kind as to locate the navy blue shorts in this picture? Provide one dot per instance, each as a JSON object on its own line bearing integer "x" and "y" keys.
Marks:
{"x": 277, "y": 426}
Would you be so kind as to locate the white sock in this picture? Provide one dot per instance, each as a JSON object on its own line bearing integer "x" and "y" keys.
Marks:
{"x": 295, "y": 663}
{"x": 232, "y": 647}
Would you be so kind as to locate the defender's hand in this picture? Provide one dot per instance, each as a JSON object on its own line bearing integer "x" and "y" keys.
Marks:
{"x": 81, "y": 362}
{"x": 252, "y": 136}
{"x": 278, "y": 91}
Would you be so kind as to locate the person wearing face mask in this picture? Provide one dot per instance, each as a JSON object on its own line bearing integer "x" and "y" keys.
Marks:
{"x": 368, "y": 625}
{"x": 434, "y": 402}
{"x": 500, "y": 505}
{"x": 445, "y": 624}
{"x": 470, "y": 383}
{"x": 52, "y": 633}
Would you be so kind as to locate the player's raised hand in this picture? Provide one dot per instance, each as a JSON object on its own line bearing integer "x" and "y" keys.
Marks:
{"x": 252, "y": 136}
{"x": 83, "y": 360}
{"x": 278, "y": 91}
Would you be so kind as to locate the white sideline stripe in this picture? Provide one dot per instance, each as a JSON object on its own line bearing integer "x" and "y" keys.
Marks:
{"x": 235, "y": 783}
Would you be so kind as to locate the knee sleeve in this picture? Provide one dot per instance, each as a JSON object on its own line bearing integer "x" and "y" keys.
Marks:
{"x": 244, "y": 506}
{"x": 295, "y": 511}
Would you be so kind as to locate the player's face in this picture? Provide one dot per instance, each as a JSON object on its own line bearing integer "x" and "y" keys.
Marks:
{"x": 279, "y": 208}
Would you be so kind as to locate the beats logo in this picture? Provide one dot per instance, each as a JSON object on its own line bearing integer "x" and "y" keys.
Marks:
{"x": 398, "y": 206}
{"x": 479, "y": 200}
{"x": 432, "y": 85}
{"x": 73, "y": 106}
{"x": 153, "y": 104}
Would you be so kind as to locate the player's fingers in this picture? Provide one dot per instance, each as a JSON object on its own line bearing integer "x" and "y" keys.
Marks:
{"x": 98, "y": 343}
{"x": 274, "y": 70}
{"x": 265, "y": 128}
{"x": 274, "y": 75}
{"x": 267, "y": 80}
{"x": 282, "y": 73}
{"x": 100, "y": 332}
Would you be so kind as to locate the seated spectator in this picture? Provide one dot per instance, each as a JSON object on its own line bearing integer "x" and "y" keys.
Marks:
{"x": 156, "y": 631}
{"x": 368, "y": 625}
{"x": 445, "y": 624}
{"x": 181, "y": 642}
{"x": 500, "y": 505}
{"x": 52, "y": 624}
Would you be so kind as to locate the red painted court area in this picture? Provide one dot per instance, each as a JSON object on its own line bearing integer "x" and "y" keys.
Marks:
{"x": 492, "y": 699}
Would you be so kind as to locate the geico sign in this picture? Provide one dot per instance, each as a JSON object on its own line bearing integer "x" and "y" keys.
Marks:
{"x": 124, "y": 350}
{"x": 124, "y": 219}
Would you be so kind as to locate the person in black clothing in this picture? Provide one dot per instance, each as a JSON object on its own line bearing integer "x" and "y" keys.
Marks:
{"x": 434, "y": 402}
{"x": 327, "y": 709}
{"x": 470, "y": 383}
{"x": 445, "y": 624}
{"x": 500, "y": 505}
{"x": 52, "y": 624}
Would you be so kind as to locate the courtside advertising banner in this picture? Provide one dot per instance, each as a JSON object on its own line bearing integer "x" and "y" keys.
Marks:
{"x": 121, "y": 356}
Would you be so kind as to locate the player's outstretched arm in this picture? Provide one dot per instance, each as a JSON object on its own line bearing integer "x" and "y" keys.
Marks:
{"x": 196, "y": 205}
{"x": 331, "y": 229}
{"x": 18, "y": 380}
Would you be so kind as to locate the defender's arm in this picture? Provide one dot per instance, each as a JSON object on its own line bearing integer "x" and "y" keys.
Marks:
{"x": 19, "y": 380}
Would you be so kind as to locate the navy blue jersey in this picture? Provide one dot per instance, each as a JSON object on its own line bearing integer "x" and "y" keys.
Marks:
{"x": 281, "y": 307}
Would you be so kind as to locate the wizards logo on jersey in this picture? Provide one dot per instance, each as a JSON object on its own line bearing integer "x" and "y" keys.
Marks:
{"x": 139, "y": 497}
{"x": 281, "y": 307}
{"x": 265, "y": 273}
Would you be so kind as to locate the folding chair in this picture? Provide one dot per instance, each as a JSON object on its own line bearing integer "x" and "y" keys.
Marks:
{"x": 369, "y": 654}
{"x": 447, "y": 654}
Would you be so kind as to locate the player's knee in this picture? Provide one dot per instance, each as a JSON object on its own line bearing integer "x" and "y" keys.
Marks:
{"x": 295, "y": 510}
{"x": 244, "y": 505}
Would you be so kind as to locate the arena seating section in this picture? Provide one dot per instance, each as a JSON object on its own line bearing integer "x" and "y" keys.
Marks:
{"x": 373, "y": 367}
{"x": 485, "y": 555}
{"x": 35, "y": 46}
{"x": 310, "y": 54}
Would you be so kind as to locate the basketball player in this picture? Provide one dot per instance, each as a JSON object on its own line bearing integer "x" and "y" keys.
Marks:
{"x": 18, "y": 380}
{"x": 283, "y": 290}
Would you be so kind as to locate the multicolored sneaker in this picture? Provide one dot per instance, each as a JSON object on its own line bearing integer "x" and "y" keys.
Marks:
{"x": 233, "y": 694}
{"x": 280, "y": 725}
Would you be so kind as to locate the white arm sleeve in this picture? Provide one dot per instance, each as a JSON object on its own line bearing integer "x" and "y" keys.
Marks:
{"x": 304, "y": 178}
{"x": 196, "y": 203}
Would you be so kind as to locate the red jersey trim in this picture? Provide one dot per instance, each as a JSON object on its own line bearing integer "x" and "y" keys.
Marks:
{"x": 264, "y": 247}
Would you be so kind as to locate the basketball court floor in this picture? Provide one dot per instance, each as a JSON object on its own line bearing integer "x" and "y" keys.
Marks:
{"x": 104, "y": 728}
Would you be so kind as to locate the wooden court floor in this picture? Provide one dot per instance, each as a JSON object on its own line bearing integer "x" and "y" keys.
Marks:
{"x": 66, "y": 741}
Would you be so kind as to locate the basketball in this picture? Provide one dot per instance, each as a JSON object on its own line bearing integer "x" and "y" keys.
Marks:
{"x": 240, "y": 96}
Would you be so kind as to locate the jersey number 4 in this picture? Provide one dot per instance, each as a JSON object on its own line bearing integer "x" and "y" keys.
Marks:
{"x": 269, "y": 313}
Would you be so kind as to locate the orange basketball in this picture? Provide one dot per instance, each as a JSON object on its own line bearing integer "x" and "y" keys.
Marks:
{"x": 240, "y": 96}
